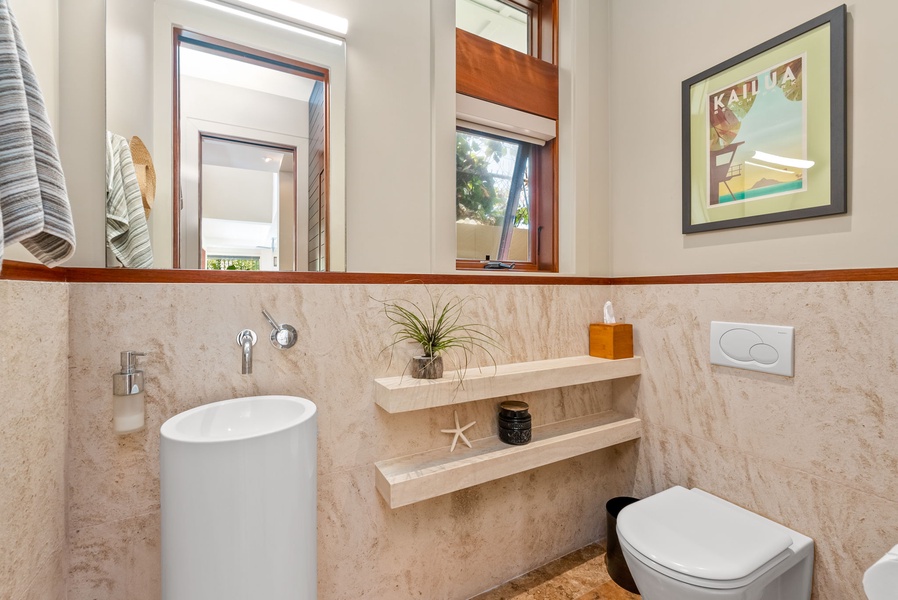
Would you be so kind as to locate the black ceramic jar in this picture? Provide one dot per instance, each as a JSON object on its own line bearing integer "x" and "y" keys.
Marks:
{"x": 514, "y": 422}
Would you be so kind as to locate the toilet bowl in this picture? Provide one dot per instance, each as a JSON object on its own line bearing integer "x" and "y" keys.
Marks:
{"x": 690, "y": 545}
{"x": 881, "y": 580}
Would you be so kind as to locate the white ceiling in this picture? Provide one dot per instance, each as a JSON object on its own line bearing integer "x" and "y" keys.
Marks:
{"x": 219, "y": 233}
{"x": 243, "y": 156}
{"x": 204, "y": 65}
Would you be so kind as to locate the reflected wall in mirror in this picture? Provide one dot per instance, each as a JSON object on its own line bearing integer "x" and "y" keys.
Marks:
{"x": 244, "y": 120}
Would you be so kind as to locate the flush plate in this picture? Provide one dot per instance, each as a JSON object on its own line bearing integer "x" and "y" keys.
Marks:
{"x": 764, "y": 348}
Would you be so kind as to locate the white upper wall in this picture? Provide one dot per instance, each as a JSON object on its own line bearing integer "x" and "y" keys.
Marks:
{"x": 655, "y": 46}
{"x": 129, "y": 69}
{"x": 38, "y": 21}
{"x": 584, "y": 186}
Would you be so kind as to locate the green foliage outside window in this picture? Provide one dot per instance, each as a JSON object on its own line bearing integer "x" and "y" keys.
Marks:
{"x": 477, "y": 196}
{"x": 222, "y": 263}
{"x": 475, "y": 188}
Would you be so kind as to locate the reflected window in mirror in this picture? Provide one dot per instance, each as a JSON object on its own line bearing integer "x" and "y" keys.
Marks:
{"x": 248, "y": 198}
{"x": 506, "y": 150}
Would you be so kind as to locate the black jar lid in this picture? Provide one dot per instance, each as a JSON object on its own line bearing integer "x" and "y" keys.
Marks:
{"x": 514, "y": 409}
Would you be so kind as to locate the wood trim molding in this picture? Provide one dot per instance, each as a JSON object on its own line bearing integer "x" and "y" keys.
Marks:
{"x": 528, "y": 84}
{"x": 25, "y": 271}
{"x": 84, "y": 275}
{"x": 13, "y": 270}
{"x": 819, "y": 276}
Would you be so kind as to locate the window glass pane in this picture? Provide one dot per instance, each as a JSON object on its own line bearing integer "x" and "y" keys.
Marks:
{"x": 492, "y": 197}
{"x": 495, "y": 21}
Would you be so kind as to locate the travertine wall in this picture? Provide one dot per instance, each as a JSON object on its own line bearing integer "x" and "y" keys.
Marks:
{"x": 817, "y": 452}
{"x": 34, "y": 340}
{"x": 450, "y": 547}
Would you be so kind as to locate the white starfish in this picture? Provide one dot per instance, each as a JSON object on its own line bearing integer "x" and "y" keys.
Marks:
{"x": 459, "y": 433}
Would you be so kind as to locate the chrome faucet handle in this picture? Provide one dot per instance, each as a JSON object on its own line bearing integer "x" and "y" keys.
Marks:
{"x": 246, "y": 339}
{"x": 282, "y": 336}
{"x": 270, "y": 319}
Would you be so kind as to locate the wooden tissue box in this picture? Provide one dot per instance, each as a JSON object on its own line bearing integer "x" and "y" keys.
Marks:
{"x": 611, "y": 340}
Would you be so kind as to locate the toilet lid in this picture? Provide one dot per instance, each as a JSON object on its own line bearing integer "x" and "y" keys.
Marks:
{"x": 697, "y": 534}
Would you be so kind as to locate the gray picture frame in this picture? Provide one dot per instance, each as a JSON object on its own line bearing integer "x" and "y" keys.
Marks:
{"x": 837, "y": 135}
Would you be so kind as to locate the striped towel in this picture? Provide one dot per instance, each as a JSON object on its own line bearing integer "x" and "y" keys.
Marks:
{"x": 34, "y": 206}
{"x": 126, "y": 222}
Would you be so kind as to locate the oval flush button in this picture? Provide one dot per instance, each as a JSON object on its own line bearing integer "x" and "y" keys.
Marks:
{"x": 764, "y": 348}
{"x": 764, "y": 354}
{"x": 737, "y": 343}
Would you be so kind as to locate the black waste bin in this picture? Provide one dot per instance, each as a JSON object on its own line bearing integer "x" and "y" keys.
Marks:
{"x": 614, "y": 556}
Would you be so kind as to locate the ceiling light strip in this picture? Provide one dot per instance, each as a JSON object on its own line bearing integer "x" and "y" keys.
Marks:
{"x": 247, "y": 13}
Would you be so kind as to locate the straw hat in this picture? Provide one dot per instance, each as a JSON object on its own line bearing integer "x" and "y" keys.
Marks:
{"x": 146, "y": 173}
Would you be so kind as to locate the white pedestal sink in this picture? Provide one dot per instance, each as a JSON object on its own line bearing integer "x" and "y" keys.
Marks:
{"x": 238, "y": 488}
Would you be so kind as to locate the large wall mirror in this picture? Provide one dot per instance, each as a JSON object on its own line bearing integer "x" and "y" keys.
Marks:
{"x": 229, "y": 125}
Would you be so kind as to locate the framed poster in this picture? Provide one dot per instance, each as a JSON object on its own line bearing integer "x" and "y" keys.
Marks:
{"x": 764, "y": 133}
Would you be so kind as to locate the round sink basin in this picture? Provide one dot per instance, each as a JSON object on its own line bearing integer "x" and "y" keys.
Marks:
{"x": 237, "y": 419}
{"x": 238, "y": 496}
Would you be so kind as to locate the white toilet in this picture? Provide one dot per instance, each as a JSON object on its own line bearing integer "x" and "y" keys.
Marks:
{"x": 690, "y": 545}
{"x": 881, "y": 580}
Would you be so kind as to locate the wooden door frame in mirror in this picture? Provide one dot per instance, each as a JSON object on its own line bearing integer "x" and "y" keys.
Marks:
{"x": 252, "y": 56}
{"x": 286, "y": 149}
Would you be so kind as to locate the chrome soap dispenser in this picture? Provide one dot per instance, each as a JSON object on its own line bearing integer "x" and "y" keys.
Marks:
{"x": 127, "y": 396}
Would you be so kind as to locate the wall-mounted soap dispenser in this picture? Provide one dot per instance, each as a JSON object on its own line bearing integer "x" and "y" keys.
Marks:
{"x": 127, "y": 391}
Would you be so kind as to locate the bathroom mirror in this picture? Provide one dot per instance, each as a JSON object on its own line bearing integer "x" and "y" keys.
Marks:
{"x": 242, "y": 123}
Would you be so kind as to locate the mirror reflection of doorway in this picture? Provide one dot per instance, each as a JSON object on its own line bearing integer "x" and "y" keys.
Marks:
{"x": 247, "y": 206}
{"x": 250, "y": 159}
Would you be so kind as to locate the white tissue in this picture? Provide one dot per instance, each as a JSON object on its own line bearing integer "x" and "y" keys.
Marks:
{"x": 609, "y": 313}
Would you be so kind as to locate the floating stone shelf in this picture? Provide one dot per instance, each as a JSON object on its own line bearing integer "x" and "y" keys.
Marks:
{"x": 402, "y": 394}
{"x": 410, "y": 479}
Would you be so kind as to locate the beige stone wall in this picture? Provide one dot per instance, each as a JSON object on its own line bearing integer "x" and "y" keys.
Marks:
{"x": 33, "y": 421}
{"x": 817, "y": 452}
{"x": 449, "y": 547}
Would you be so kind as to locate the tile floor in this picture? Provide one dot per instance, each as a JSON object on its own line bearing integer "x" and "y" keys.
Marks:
{"x": 580, "y": 575}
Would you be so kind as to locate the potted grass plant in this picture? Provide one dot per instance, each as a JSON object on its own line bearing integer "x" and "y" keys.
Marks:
{"x": 439, "y": 327}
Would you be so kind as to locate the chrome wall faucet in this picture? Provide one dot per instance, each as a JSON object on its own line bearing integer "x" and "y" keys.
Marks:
{"x": 246, "y": 339}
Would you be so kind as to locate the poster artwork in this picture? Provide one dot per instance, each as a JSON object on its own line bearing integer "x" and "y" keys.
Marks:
{"x": 758, "y": 136}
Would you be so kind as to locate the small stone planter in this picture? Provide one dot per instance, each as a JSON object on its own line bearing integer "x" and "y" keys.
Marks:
{"x": 427, "y": 367}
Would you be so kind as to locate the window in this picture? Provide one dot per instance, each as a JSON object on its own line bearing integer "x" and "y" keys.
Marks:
{"x": 492, "y": 197}
{"x": 496, "y": 21}
{"x": 506, "y": 151}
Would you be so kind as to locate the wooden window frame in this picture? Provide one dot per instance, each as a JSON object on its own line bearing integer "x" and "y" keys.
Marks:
{"x": 529, "y": 84}
{"x": 543, "y": 33}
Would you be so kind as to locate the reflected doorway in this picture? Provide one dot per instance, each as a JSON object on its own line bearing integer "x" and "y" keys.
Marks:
{"x": 247, "y": 205}
{"x": 250, "y": 159}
